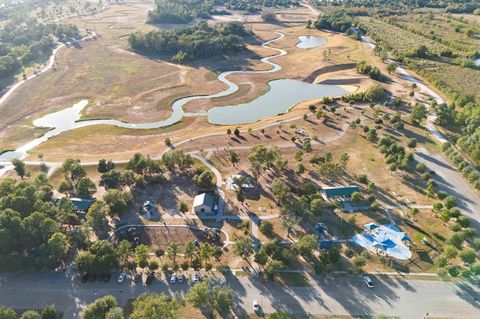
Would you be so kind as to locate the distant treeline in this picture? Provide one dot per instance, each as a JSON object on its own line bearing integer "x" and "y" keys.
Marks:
{"x": 254, "y": 5}
{"x": 23, "y": 41}
{"x": 180, "y": 11}
{"x": 185, "y": 11}
{"x": 399, "y": 6}
{"x": 188, "y": 43}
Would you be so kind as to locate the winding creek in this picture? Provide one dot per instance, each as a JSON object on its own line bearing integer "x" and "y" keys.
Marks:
{"x": 283, "y": 95}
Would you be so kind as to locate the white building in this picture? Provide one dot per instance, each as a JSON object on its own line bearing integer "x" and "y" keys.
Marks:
{"x": 203, "y": 203}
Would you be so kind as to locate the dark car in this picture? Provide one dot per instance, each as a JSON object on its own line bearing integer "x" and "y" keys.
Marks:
{"x": 137, "y": 278}
{"x": 150, "y": 279}
{"x": 101, "y": 277}
{"x": 85, "y": 277}
{"x": 107, "y": 277}
{"x": 93, "y": 277}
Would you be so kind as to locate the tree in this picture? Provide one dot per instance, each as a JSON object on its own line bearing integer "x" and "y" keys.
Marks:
{"x": 125, "y": 252}
{"x": 307, "y": 146}
{"x": 182, "y": 207}
{"x": 104, "y": 166}
{"x": 172, "y": 252}
{"x": 261, "y": 256}
{"x": 236, "y": 132}
{"x": 272, "y": 267}
{"x": 115, "y": 313}
{"x": 306, "y": 245}
{"x": 141, "y": 255}
{"x": 199, "y": 295}
{"x": 99, "y": 308}
{"x": 86, "y": 187}
{"x": 111, "y": 179}
{"x": 7, "y": 313}
{"x": 243, "y": 247}
{"x": 19, "y": 167}
{"x": 391, "y": 67}
{"x": 97, "y": 217}
{"x": 168, "y": 142}
{"x": 233, "y": 157}
{"x": 418, "y": 113}
{"x": 266, "y": 228}
{"x": 188, "y": 250}
{"x": 281, "y": 191}
{"x": 49, "y": 312}
{"x": 412, "y": 143}
{"x": 153, "y": 306}
{"x": 204, "y": 180}
{"x": 73, "y": 171}
{"x": 101, "y": 257}
{"x": 119, "y": 202}
{"x": 269, "y": 16}
{"x": 299, "y": 169}
{"x": 57, "y": 248}
{"x": 29, "y": 314}
{"x": 468, "y": 255}
{"x": 205, "y": 252}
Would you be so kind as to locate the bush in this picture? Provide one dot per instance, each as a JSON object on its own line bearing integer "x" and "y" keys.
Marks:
{"x": 362, "y": 178}
{"x": 266, "y": 228}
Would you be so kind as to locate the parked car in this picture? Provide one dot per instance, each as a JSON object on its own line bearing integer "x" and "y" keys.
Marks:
{"x": 173, "y": 278}
{"x": 150, "y": 279}
{"x": 196, "y": 277}
{"x": 137, "y": 278}
{"x": 84, "y": 278}
{"x": 368, "y": 281}
{"x": 181, "y": 278}
{"x": 92, "y": 277}
{"x": 256, "y": 307}
{"x": 121, "y": 277}
{"x": 107, "y": 277}
{"x": 101, "y": 277}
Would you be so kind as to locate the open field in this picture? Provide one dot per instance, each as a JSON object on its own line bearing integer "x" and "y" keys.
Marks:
{"x": 128, "y": 87}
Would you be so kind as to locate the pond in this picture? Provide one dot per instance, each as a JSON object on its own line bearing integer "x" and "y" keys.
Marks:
{"x": 310, "y": 41}
{"x": 282, "y": 96}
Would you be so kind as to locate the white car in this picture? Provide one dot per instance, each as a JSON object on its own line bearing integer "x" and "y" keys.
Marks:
{"x": 256, "y": 307}
{"x": 196, "y": 277}
{"x": 121, "y": 277}
{"x": 173, "y": 278}
{"x": 368, "y": 281}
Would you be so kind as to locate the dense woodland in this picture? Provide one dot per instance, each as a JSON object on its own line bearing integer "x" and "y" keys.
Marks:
{"x": 23, "y": 41}
{"x": 185, "y": 11}
{"x": 188, "y": 43}
{"x": 452, "y": 6}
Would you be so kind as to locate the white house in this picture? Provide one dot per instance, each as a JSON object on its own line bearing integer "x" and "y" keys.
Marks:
{"x": 203, "y": 203}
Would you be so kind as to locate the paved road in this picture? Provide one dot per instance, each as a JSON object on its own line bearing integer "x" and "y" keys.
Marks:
{"x": 328, "y": 295}
{"x": 451, "y": 181}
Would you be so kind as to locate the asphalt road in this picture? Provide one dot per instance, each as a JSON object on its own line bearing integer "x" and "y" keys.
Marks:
{"x": 340, "y": 295}
{"x": 452, "y": 181}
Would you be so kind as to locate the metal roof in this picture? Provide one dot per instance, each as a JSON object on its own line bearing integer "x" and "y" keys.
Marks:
{"x": 203, "y": 199}
{"x": 343, "y": 191}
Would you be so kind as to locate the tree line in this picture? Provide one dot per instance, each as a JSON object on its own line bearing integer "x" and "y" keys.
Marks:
{"x": 188, "y": 43}
{"x": 23, "y": 41}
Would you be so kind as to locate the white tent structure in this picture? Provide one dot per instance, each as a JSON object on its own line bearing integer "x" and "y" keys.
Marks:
{"x": 385, "y": 239}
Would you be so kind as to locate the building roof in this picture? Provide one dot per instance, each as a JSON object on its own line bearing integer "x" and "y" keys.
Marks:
{"x": 82, "y": 204}
{"x": 343, "y": 191}
{"x": 203, "y": 199}
{"x": 370, "y": 226}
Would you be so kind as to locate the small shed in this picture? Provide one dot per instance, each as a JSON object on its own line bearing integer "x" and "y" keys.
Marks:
{"x": 203, "y": 203}
{"x": 340, "y": 192}
{"x": 370, "y": 226}
{"x": 82, "y": 205}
